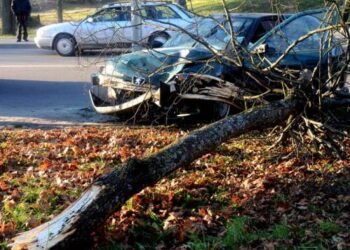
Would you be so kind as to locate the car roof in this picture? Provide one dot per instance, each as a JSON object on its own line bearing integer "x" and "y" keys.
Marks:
{"x": 255, "y": 15}
{"x": 126, "y": 4}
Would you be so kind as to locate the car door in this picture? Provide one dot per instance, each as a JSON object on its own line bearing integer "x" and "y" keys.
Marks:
{"x": 108, "y": 27}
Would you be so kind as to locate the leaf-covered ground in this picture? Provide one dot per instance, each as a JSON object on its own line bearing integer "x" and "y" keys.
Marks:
{"x": 244, "y": 195}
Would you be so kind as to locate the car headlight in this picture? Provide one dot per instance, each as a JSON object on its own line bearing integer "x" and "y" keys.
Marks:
{"x": 39, "y": 32}
{"x": 44, "y": 32}
{"x": 95, "y": 79}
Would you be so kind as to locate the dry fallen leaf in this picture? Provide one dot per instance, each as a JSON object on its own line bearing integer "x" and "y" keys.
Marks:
{"x": 20, "y": 247}
{"x": 3, "y": 186}
{"x": 45, "y": 165}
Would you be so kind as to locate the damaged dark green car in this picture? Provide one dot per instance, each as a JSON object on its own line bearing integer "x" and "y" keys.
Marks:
{"x": 187, "y": 76}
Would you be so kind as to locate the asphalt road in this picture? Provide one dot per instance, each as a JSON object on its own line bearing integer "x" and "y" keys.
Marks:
{"x": 39, "y": 87}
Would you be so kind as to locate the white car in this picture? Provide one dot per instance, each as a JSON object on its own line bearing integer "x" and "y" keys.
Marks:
{"x": 110, "y": 27}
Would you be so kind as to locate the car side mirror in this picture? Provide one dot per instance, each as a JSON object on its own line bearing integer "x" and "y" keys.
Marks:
{"x": 261, "y": 49}
{"x": 90, "y": 20}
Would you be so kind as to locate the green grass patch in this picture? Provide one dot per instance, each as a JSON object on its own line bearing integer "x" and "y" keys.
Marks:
{"x": 238, "y": 233}
{"x": 329, "y": 227}
{"x": 280, "y": 232}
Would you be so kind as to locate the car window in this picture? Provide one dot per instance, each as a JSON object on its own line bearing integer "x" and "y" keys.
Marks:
{"x": 218, "y": 39}
{"x": 264, "y": 27}
{"x": 113, "y": 15}
{"x": 284, "y": 37}
{"x": 268, "y": 25}
{"x": 240, "y": 25}
{"x": 148, "y": 12}
{"x": 165, "y": 12}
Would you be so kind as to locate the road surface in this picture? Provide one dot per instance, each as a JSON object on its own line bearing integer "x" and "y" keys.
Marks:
{"x": 38, "y": 87}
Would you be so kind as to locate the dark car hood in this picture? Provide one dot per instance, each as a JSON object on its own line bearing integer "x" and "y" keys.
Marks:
{"x": 154, "y": 66}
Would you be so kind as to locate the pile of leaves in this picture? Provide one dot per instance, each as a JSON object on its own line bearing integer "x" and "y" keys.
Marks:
{"x": 243, "y": 195}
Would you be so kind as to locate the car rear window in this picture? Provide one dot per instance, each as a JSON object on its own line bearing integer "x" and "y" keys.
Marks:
{"x": 158, "y": 12}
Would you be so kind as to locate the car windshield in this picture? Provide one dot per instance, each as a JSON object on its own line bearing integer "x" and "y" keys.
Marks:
{"x": 197, "y": 29}
{"x": 214, "y": 33}
{"x": 220, "y": 36}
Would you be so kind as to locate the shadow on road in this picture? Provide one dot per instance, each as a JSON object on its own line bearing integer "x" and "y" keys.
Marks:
{"x": 46, "y": 102}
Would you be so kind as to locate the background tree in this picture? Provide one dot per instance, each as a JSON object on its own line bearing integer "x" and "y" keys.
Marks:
{"x": 60, "y": 11}
{"x": 8, "y": 23}
{"x": 182, "y": 3}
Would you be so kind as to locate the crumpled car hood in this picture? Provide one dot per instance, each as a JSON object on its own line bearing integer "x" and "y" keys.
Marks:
{"x": 154, "y": 66}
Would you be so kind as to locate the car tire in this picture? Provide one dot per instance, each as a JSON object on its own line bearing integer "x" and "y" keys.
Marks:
{"x": 160, "y": 37}
{"x": 221, "y": 110}
{"x": 214, "y": 111}
{"x": 65, "y": 45}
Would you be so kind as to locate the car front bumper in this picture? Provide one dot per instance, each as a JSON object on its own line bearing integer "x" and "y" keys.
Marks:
{"x": 106, "y": 88}
{"x": 43, "y": 42}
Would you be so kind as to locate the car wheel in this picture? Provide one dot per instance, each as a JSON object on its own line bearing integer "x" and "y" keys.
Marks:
{"x": 221, "y": 110}
{"x": 65, "y": 45}
{"x": 157, "y": 40}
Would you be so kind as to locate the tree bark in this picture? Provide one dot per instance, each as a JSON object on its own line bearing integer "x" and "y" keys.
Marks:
{"x": 8, "y": 23}
{"x": 111, "y": 191}
{"x": 60, "y": 11}
{"x": 136, "y": 24}
{"x": 346, "y": 12}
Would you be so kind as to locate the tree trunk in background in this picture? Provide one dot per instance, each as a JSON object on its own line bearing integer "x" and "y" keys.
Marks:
{"x": 136, "y": 24}
{"x": 110, "y": 192}
{"x": 346, "y": 12}
{"x": 8, "y": 22}
{"x": 60, "y": 11}
{"x": 181, "y": 3}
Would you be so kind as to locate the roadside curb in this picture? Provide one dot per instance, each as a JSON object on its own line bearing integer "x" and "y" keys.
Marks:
{"x": 14, "y": 45}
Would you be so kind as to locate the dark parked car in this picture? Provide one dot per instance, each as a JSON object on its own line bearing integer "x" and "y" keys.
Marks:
{"x": 190, "y": 77}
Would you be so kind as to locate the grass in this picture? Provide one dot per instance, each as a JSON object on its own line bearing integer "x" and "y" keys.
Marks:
{"x": 280, "y": 231}
{"x": 72, "y": 14}
{"x": 239, "y": 232}
{"x": 31, "y": 33}
{"x": 329, "y": 227}
{"x": 207, "y": 7}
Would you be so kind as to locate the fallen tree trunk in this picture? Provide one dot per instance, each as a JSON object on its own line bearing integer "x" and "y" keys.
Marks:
{"x": 111, "y": 191}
